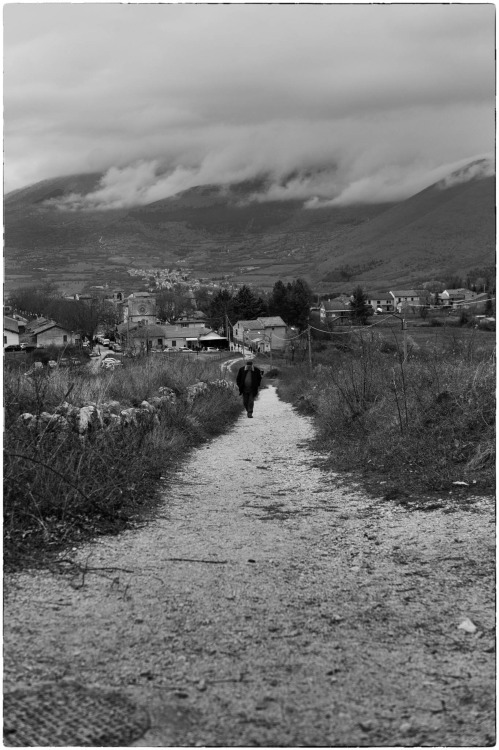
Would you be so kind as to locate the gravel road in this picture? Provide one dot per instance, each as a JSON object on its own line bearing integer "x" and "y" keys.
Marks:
{"x": 269, "y": 605}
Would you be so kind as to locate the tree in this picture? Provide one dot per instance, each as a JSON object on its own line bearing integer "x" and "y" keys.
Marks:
{"x": 247, "y": 306}
{"x": 221, "y": 308}
{"x": 360, "y": 309}
{"x": 171, "y": 303}
{"x": 299, "y": 297}
{"x": 278, "y": 303}
{"x": 84, "y": 317}
{"x": 203, "y": 297}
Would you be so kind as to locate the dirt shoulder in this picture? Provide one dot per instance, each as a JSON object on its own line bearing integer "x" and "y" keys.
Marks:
{"x": 270, "y": 605}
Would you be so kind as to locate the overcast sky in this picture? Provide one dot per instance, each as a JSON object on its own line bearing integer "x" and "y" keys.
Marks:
{"x": 335, "y": 102}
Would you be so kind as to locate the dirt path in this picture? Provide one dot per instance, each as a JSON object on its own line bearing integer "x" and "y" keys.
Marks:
{"x": 267, "y": 606}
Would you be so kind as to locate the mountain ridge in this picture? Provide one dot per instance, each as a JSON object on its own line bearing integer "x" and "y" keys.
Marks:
{"x": 214, "y": 230}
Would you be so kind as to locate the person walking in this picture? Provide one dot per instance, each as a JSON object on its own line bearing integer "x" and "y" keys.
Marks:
{"x": 248, "y": 381}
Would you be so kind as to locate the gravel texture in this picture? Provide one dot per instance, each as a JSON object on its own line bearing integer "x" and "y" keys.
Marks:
{"x": 269, "y": 605}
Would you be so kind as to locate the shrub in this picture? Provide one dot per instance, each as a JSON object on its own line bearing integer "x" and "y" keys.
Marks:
{"x": 426, "y": 423}
{"x": 60, "y": 487}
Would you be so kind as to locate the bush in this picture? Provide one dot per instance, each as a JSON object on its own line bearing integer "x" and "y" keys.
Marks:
{"x": 425, "y": 423}
{"x": 61, "y": 487}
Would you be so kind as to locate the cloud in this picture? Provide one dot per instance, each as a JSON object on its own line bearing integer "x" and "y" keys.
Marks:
{"x": 328, "y": 100}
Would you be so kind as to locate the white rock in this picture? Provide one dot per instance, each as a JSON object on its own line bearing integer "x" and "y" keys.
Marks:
{"x": 467, "y": 626}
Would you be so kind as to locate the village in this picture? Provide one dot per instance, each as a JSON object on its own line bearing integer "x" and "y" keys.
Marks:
{"x": 138, "y": 329}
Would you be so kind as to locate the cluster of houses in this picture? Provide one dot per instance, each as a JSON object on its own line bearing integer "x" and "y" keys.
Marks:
{"x": 400, "y": 301}
{"x": 40, "y": 332}
{"x": 140, "y": 330}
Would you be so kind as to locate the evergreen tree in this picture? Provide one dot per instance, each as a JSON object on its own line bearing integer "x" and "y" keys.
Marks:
{"x": 360, "y": 309}
{"x": 299, "y": 297}
{"x": 278, "y": 301}
{"x": 247, "y": 306}
{"x": 221, "y": 308}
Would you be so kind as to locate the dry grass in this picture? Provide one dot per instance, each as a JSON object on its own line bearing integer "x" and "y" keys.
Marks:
{"x": 424, "y": 424}
{"x": 60, "y": 488}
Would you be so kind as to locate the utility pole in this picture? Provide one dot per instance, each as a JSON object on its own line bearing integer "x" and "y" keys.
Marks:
{"x": 404, "y": 330}
{"x": 309, "y": 348}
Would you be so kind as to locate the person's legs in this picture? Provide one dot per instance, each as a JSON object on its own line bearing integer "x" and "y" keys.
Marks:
{"x": 251, "y": 401}
{"x": 246, "y": 397}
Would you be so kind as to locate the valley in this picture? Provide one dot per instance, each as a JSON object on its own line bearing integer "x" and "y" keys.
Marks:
{"x": 215, "y": 233}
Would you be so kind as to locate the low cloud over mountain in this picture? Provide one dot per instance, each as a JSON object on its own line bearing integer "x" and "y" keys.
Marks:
{"x": 332, "y": 103}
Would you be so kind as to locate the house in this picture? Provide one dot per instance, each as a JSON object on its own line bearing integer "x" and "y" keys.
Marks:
{"x": 456, "y": 297}
{"x": 246, "y": 331}
{"x": 337, "y": 311}
{"x": 191, "y": 321}
{"x": 274, "y": 332}
{"x": 380, "y": 301}
{"x": 405, "y": 298}
{"x": 213, "y": 339}
{"x": 10, "y": 331}
{"x": 264, "y": 333}
{"x": 154, "y": 336}
{"x": 49, "y": 333}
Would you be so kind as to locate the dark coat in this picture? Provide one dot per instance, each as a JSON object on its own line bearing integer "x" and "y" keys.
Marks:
{"x": 255, "y": 380}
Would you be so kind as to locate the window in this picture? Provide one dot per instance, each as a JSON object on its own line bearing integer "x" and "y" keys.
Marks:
{"x": 5, "y": 339}
{"x": 160, "y": 342}
{"x": 65, "y": 339}
{"x": 174, "y": 343}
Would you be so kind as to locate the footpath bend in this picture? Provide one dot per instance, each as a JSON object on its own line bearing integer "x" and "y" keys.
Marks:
{"x": 267, "y": 604}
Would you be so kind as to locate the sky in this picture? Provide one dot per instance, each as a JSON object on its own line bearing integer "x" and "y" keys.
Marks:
{"x": 334, "y": 104}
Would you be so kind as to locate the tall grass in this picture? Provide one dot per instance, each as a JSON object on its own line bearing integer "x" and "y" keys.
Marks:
{"x": 60, "y": 488}
{"x": 425, "y": 423}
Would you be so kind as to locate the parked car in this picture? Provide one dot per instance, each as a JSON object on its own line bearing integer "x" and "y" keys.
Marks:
{"x": 115, "y": 347}
{"x": 94, "y": 354}
{"x": 12, "y": 348}
{"x": 111, "y": 362}
{"x": 105, "y": 342}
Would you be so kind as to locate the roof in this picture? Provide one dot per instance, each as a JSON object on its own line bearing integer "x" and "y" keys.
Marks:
{"x": 253, "y": 325}
{"x": 166, "y": 331}
{"x": 212, "y": 336}
{"x": 336, "y": 304}
{"x": 275, "y": 320}
{"x": 198, "y": 315}
{"x": 406, "y": 293}
{"x": 9, "y": 324}
{"x": 378, "y": 295}
{"x": 46, "y": 325}
{"x": 33, "y": 324}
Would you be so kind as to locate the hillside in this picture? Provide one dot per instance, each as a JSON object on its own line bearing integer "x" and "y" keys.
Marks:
{"x": 215, "y": 231}
{"x": 434, "y": 233}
